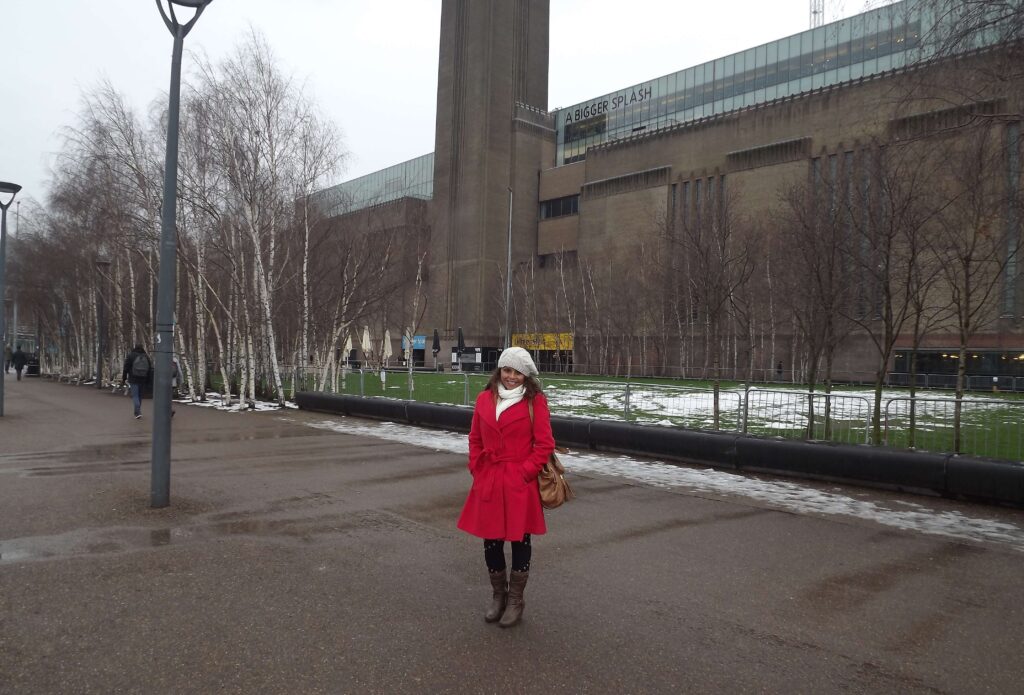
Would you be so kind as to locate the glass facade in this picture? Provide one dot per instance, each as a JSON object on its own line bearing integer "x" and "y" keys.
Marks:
{"x": 411, "y": 179}
{"x": 979, "y": 363}
{"x": 883, "y": 39}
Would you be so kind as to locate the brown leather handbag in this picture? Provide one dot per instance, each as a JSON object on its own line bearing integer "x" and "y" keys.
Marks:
{"x": 554, "y": 488}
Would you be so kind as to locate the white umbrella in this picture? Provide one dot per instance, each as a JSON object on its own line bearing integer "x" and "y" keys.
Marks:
{"x": 347, "y": 350}
{"x": 366, "y": 343}
{"x": 386, "y": 348}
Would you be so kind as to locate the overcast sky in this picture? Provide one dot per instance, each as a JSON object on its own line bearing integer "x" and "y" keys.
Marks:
{"x": 371, "y": 65}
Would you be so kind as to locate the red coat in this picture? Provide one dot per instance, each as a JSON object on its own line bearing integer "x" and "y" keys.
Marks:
{"x": 505, "y": 457}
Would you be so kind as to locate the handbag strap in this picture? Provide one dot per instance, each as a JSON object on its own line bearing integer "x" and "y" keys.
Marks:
{"x": 558, "y": 449}
{"x": 529, "y": 404}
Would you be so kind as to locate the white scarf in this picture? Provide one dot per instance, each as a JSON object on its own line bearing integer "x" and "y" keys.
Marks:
{"x": 508, "y": 398}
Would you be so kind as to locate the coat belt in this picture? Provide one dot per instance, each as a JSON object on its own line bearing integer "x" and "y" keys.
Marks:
{"x": 492, "y": 466}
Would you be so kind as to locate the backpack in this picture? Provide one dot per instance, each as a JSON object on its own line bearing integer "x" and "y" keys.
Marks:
{"x": 140, "y": 366}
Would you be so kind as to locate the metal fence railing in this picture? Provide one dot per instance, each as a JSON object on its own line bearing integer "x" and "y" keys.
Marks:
{"x": 816, "y": 416}
{"x": 989, "y": 427}
{"x": 646, "y": 403}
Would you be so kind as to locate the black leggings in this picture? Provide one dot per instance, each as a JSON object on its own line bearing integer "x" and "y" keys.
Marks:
{"x": 494, "y": 555}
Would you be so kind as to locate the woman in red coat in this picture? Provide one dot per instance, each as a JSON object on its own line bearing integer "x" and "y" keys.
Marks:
{"x": 508, "y": 445}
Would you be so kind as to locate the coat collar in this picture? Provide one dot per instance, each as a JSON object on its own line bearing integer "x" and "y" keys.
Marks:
{"x": 517, "y": 412}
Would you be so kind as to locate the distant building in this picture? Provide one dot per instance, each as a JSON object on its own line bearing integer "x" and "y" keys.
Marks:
{"x": 600, "y": 190}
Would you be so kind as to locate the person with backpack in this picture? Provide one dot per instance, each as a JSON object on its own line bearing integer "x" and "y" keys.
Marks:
{"x": 18, "y": 360}
{"x": 137, "y": 368}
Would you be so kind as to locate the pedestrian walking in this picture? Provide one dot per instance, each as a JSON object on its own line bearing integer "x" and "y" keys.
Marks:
{"x": 136, "y": 371}
{"x": 176, "y": 379}
{"x": 18, "y": 360}
{"x": 509, "y": 442}
{"x": 7, "y": 359}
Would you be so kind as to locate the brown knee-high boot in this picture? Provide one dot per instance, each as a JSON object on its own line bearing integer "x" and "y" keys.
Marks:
{"x": 499, "y": 583}
{"x": 514, "y": 610}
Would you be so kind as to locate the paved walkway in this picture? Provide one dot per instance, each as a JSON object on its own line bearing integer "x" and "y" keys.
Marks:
{"x": 299, "y": 560}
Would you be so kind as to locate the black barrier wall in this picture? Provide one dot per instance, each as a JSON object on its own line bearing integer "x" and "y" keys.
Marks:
{"x": 994, "y": 482}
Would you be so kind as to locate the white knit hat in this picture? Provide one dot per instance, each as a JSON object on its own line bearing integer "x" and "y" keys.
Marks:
{"x": 519, "y": 359}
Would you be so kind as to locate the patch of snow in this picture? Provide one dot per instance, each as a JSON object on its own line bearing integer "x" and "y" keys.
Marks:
{"x": 216, "y": 401}
{"x": 911, "y": 516}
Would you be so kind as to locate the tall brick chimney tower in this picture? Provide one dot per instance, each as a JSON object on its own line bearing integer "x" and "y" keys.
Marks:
{"x": 493, "y": 65}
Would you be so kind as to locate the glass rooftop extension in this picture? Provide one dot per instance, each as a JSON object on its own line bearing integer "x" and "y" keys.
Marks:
{"x": 411, "y": 179}
{"x": 883, "y": 39}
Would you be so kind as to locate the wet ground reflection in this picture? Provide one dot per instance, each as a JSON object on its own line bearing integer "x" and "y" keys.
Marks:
{"x": 106, "y": 541}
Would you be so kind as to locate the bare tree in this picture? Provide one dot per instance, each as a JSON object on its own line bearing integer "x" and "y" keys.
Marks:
{"x": 975, "y": 236}
{"x": 714, "y": 248}
{"x": 815, "y": 240}
{"x": 889, "y": 213}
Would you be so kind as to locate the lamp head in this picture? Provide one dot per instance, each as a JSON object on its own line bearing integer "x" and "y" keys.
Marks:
{"x": 5, "y": 189}
{"x": 171, "y": 20}
{"x": 102, "y": 263}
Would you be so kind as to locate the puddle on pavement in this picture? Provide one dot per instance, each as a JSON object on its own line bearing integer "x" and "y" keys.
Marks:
{"x": 105, "y": 453}
{"x": 92, "y": 542}
{"x": 16, "y": 555}
{"x": 90, "y": 458}
{"x": 86, "y": 542}
{"x": 246, "y": 435}
{"x": 81, "y": 468}
{"x": 107, "y": 458}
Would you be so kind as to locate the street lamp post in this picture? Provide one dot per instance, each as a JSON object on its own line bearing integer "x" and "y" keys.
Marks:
{"x": 103, "y": 266}
{"x": 160, "y": 476}
{"x": 5, "y": 190}
{"x": 508, "y": 277}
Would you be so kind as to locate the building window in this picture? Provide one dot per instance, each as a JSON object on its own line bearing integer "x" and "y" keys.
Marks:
{"x": 1013, "y": 171}
{"x": 686, "y": 204}
{"x": 848, "y": 205}
{"x": 712, "y": 206}
{"x": 560, "y": 207}
{"x": 722, "y": 202}
{"x": 833, "y": 181}
{"x": 817, "y": 182}
{"x": 698, "y": 203}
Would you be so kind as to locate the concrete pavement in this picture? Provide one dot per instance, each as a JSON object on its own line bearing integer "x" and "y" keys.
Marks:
{"x": 300, "y": 560}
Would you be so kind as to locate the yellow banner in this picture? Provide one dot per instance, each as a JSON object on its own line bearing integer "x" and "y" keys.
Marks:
{"x": 543, "y": 341}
